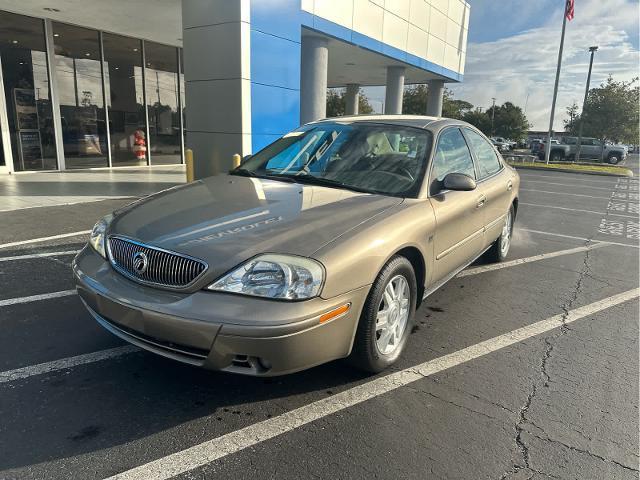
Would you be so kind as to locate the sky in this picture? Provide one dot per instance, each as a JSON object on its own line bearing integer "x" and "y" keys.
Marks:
{"x": 513, "y": 51}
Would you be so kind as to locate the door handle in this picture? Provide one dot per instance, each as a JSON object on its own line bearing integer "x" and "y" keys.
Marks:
{"x": 509, "y": 185}
{"x": 481, "y": 201}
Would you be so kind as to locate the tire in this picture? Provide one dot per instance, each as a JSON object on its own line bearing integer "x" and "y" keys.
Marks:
{"x": 368, "y": 351}
{"x": 500, "y": 248}
{"x": 613, "y": 159}
{"x": 556, "y": 156}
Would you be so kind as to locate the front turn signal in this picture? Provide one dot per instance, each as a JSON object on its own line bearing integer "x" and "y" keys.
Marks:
{"x": 336, "y": 312}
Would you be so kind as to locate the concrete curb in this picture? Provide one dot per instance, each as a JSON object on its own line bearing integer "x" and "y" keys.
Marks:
{"x": 628, "y": 173}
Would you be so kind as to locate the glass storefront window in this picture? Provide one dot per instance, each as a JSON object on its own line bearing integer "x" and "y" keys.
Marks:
{"x": 137, "y": 81}
{"x": 26, "y": 90}
{"x": 125, "y": 99}
{"x": 79, "y": 80}
{"x": 161, "y": 75}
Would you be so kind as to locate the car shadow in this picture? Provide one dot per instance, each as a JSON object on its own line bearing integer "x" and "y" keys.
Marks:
{"x": 115, "y": 402}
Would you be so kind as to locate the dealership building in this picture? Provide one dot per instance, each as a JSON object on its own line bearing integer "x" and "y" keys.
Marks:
{"x": 114, "y": 83}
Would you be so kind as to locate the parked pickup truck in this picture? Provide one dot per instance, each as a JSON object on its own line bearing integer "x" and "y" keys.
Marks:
{"x": 591, "y": 150}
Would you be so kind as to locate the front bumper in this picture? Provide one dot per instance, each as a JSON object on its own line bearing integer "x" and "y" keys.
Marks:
{"x": 214, "y": 330}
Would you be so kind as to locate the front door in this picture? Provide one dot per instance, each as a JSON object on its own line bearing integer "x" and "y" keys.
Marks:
{"x": 458, "y": 237}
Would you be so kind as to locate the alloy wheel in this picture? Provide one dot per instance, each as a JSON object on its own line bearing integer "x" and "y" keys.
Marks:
{"x": 393, "y": 315}
{"x": 505, "y": 238}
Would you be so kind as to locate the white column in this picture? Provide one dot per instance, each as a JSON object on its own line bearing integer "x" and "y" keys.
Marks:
{"x": 435, "y": 95}
{"x": 313, "y": 79}
{"x": 216, "y": 36}
{"x": 394, "y": 90}
{"x": 352, "y": 99}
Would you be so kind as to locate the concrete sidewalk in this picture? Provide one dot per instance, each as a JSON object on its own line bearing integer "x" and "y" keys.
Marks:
{"x": 43, "y": 189}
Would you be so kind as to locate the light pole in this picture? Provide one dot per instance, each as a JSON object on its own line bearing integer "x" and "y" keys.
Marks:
{"x": 584, "y": 104}
{"x": 493, "y": 114}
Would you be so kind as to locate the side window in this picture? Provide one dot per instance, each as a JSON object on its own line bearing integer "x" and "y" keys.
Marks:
{"x": 488, "y": 162}
{"x": 452, "y": 156}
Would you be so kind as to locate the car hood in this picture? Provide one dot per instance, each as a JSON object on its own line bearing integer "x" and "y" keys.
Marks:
{"x": 225, "y": 220}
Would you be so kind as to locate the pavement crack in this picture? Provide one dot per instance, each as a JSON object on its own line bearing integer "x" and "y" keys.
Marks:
{"x": 584, "y": 451}
{"x": 472, "y": 395}
{"x": 544, "y": 374}
{"x": 463, "y": 407}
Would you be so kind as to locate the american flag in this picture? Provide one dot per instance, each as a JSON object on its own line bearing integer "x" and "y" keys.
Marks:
{"x": 568, "y": 11}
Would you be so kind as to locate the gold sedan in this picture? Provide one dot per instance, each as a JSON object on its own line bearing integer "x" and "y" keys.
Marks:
{"x": 318, "y": 247}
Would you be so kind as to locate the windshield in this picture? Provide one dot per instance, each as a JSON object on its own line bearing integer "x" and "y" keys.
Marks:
{"x": 369, "y": 157}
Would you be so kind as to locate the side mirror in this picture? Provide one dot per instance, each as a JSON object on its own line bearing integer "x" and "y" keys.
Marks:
{"x": 459, "y": 182}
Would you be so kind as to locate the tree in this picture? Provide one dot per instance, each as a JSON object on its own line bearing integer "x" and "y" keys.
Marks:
{"x": 478, "y": 119}
{"x": 336, "y": 103}
{"x": 455, "y": 108}
{"x": 414, "y": 102}
{"x": 612, "y": 112}
{"x": 509, "y": 122}
{"x": 571, "y": 124}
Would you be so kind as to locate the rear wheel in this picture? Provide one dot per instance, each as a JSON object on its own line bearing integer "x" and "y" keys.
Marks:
{"x": 387, "y": 317}
{"x": 556, "y": 156}
{"x": 500, "y": 248}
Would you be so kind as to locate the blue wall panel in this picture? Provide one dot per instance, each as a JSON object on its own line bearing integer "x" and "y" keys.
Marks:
{"x": 275, "y": 61}
{"x": 280, "y": 18}
{"x": 275, "y": 69}
{"x": 274, "y": 110}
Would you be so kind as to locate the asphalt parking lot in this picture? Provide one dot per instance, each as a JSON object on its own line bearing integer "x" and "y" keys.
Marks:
{"x": 529, "y": 370}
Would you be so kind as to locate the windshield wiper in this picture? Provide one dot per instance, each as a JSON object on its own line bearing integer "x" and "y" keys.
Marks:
{"x": 243, "y": 172}
{"x": 322, "y": 181}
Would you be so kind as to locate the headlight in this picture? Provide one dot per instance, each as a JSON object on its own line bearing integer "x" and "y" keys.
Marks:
{"x": 96, "y": 239}
{"x": 274, "y": 276}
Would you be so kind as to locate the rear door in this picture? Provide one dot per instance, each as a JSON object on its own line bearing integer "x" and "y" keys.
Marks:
{"x": 592, "y": 148}
{"x": 458, "y": 237}
{"x": 494, "y": 182}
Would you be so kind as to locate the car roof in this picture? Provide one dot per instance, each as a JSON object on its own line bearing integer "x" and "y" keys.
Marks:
{"x": 420, "y": 121}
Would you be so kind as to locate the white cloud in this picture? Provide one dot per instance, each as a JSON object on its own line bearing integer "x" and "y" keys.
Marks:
{"x": 524, "y": 65}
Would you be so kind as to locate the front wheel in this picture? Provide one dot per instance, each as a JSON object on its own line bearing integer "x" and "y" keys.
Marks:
{"x": 500, "y": 248}
{"x": 387, "y": 317}
{"x": 613, "y": 159}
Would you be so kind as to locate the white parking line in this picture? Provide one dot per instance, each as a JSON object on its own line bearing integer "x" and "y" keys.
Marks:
{"x": 44, "y": 239}
{"x": 562, "y": 193}
{"x": 535, "y": 258}
{"x": 36, "y": 298}
{"x": 552, "y": 234}
{"x": 581, "y": 179}
{"x": 217, "y": 448}
{"x": 576, "y": 185}
{"x": 65, "y": 363}
{"x": 576, "y": 210}
{"x": 39, "y": 255}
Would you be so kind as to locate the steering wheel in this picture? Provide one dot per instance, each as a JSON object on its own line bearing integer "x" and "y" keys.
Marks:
{"x": 408, "y": 173}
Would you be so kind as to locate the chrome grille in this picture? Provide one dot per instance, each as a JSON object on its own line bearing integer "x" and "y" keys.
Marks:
{"x": 164, "y": 268}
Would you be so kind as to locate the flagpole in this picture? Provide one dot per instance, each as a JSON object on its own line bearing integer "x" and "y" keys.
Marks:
{"x": 555, "y": 88}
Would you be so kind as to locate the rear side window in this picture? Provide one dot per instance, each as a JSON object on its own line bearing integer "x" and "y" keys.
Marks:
{"x": 488, "y": 162}
{"x": 451, "y": 156}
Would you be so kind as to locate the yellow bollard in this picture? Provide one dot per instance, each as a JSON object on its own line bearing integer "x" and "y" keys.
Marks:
{"x": 236, "y": 160}
{"x": 188, "y": 159}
